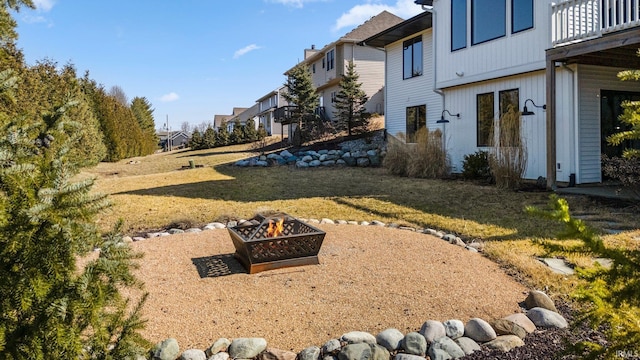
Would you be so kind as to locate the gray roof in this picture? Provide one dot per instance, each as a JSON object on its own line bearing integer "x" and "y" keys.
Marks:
{"x": 406, "y": 28}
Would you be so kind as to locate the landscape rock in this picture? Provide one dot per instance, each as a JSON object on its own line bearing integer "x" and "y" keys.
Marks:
{"x": 277, "y": 354}
{"x": 193, "y": 354}
{"x": 377, "y": 223}
{"x": 219, "y": 345}
{"x": 467, "y": 345}
{"x": 327, "y": 221}
{"x": 448, "y": 345}
{"x": 166, "y": 350}
{"x": 479, "y": 330}
{"x": 363, "y": 351}
{"x": 546, "y": 318}
{"x": 506, "y": 327}
{"x": 331, "y": 347}
{"x": 454, "y": 328}
{"x": 302, "y": 164}
{"x": 363, "y": 162}
{"x": 505, "y": 343}
{"x": 402, "y": 356}
{"x": 355, "y": 337}
{"x": 522, "y": 320}
{"x": 315, "y": 163}
{"x": 193, "y": 230}
{"x": 415, "y": 344}
{"x": 364, "y": 223}
{"x": 539, "y": 299}
{"x": 247, "y": 348}
{"x": 310, "y": 353}
{"x": 175, "y": 231}
{"x": 391, "y": 339}
{"x": 432, "y": 330}
{"x": 438, "y": 354}
{"x": 219, "y": 356}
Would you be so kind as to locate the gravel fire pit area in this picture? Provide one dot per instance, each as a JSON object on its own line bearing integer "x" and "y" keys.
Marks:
{"x": 369, "y": 279}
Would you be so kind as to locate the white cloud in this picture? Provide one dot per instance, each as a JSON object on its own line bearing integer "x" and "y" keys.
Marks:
{"x": 361, "y": 13}
{"x": 245, "y": 50}
{"x": 169, "y": 97}
{"x": 44, "y": 5}
{"x": 30, "y": 19}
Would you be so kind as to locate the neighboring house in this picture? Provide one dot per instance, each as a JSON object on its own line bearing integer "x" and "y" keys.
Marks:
{"x": 329, "y": 64}
{"x": 243, "y": 116}
{"x": 266, "y": 108}
{"x": 173, "y": 140}
{"x": 218, "y": 120}
{"x": 563, "y": 56}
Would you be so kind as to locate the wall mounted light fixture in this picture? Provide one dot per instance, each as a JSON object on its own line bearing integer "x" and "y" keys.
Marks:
{"x": 443, "y": 120}
{"x": 527, "y": 112}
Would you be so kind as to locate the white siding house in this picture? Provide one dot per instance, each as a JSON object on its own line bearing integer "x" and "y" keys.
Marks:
{"x": 329, "y": 64}
{"x": 559, "y": 60}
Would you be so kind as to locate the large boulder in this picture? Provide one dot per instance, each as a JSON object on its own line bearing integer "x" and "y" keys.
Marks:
{"x": 166, "y": 350}
{"x": 539, "y": 299}
{"x": 247, "y": 348}
{"x": 505, "y": 343}
{"x": 479, "y": 330}
{"x": 546, "y": 318}
{"x": 454, "y": 328}
{"x": 391, "y": 339}
{"x": 414, "y": 344}
{"x": 450, "y": 346}
{"x": 522, "y": 320}
{"x": 355, "y": 337}
{"x": 432, "y": 330}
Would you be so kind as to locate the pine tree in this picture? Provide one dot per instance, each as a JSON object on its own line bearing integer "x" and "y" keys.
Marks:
{"x": 48, "y": 307}
{"x": 350, "y": 103}
{"x": 301, "y": 93}
{"x": 196, "y": 142}
{"x": 249, "y": 132}
{"x": 209, "y": 138}
{"x": 236, "y": 136}
{"x": 143, "y": 112}
{"x": 223, "y": 136}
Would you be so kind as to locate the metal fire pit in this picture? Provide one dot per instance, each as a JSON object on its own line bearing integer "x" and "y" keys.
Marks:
{"x": 298, "y": 244}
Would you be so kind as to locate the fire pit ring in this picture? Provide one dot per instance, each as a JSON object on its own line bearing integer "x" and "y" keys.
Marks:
{"x": 297, "y": 245}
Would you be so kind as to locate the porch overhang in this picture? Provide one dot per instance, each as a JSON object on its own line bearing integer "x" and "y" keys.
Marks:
{"x": 619, "y": 49}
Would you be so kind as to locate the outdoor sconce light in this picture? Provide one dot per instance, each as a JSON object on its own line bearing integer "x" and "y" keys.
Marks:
{"x": 526, "y": 111}
{"x": 443, "y": 120}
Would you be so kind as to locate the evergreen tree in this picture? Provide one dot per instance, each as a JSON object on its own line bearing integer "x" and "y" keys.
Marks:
{"x": 631, "y": 118}
{"x": 197, "y": 141}
{"x": 301, "y": 93}
{"x": 7, "y": 23}
{"x": 350, "y": 102}
{"x": 223, "y": 136}
{"x": 50, "y": 309}
{"x": 236, "y": 136}
{"x": 250, "y": 134}
{"x": 143, "y": 112}
{"x": 209, "y": 139}
{"x": 262, "y": 133}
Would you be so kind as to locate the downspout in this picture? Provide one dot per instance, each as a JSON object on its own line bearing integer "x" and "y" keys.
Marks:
{"x": 436, "y": 90}
{"x": 576, "y": 129}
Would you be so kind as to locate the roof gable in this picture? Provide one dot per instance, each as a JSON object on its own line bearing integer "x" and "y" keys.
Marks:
{"x": 376, "y": 24}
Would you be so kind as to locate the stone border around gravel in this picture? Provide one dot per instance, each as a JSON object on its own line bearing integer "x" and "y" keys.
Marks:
{"x": 436, "y": 340}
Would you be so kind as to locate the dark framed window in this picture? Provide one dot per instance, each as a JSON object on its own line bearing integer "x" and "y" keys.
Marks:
{"x": 509, "y": 101}
{"x": 488, "y": 20}
{"x": 485, "y": 122}
{"x": 458, "y": 24}
{"x": 330, "y": 59}
{"x": 521, "y": 15}
{"x": 313, "y": 68}
{"x": 416, "y": 119}
{"x": 412, "y": 58}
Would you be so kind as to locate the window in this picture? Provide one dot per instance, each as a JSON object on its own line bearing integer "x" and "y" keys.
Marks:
{"x": 330, "y": 59}
{"x": 313, "y": 68}
{"x": 488, "y": 20}
{"x": 416, "y": 119}
{"x": 333, "y": 97}
{"x": 509, "y": 132}
{"x": 485, "y": 111}
{"x": 521, "y": 15}
{"x": 458, "y": 24}
{"x": 412, "y": 57}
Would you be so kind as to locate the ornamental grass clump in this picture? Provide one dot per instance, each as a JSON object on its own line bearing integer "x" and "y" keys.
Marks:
{"x": 423, "y": 159}
{"x": 508, "y": 152}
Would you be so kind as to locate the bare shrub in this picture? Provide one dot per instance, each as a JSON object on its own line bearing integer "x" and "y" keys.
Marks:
{"x": 508, "y": 153}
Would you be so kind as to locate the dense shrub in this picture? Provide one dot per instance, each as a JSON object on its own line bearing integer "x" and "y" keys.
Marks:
{"x": 476, "y": 166}
{"x": 625, "y": 170}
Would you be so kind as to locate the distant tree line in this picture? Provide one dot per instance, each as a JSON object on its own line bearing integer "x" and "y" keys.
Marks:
{"x": 109, "y": 129}
{"x": 241, "y": 134}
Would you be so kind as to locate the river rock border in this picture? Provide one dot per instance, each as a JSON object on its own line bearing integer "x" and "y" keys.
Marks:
{"x": 451, "y": 339}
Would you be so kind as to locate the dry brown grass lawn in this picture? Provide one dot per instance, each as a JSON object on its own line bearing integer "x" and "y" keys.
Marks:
{"x": 154, "y": 194}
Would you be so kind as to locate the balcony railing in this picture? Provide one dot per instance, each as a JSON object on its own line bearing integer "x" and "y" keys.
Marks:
{"x": 577, "y": 20}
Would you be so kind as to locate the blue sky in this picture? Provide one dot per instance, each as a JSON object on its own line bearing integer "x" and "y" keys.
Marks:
{"x": 191, "y": 59}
